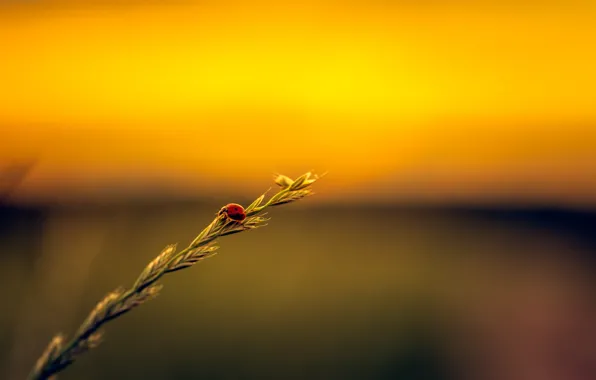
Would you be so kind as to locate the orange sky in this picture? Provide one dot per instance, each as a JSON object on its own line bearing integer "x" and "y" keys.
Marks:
{"x": 444, "y": 102}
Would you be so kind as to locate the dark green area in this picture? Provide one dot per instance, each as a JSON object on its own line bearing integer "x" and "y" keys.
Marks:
{"x": 338, "y": 292}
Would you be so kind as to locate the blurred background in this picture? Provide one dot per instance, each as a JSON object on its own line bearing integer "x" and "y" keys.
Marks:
{"x": 453, "y": 238}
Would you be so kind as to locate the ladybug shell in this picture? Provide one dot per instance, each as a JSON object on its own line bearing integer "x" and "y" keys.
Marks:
{"x": 235, "y": 212}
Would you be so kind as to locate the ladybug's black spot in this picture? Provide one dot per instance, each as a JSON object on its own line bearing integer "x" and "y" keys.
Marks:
{"x": 236, "y": 216}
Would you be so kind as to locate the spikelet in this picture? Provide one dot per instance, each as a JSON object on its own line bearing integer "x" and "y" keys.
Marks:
{"x": 283, "y": 181}
{"x": 151, "y": 271}
{"x": 100, "y": 312}
{"x": 135, "y": 299}
{"x": 50, "y": 355}
{"x": 191, "y": 257}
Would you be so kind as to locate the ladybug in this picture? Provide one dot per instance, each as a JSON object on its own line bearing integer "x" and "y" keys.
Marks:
{"x": 233, "y": 211}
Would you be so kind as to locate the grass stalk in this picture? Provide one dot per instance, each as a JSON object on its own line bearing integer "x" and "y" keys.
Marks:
{"x": 60, "y": 353}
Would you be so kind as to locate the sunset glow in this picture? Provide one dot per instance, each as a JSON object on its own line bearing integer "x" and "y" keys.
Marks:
{"x": 477, "y": 102}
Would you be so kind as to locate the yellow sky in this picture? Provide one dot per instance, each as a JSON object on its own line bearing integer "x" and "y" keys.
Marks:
{"x": 445, "y": 102}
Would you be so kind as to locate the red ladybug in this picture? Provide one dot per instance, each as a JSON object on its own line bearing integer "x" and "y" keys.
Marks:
{"x": 233, "y": 211}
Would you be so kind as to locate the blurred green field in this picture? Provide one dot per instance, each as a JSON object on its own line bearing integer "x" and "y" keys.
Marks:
{"x": 325, "y": 292}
